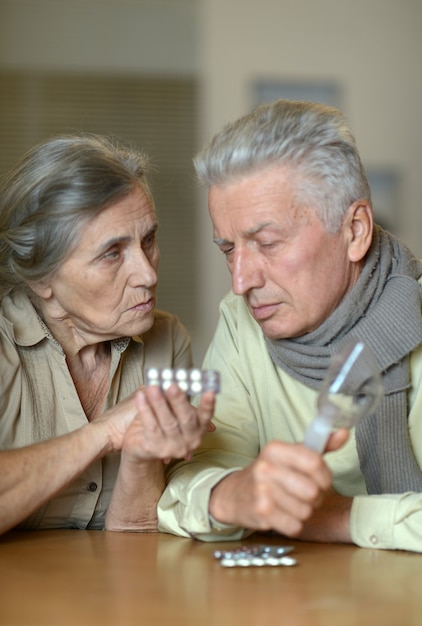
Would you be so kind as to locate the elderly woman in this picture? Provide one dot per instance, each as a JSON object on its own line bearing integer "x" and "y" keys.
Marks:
{"x": 83, "y": 446}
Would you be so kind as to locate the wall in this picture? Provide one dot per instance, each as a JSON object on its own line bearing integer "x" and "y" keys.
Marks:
{"x": 138, "y": 36}
{"x": 371, "y": 48}
{"x": 114, "y": 66}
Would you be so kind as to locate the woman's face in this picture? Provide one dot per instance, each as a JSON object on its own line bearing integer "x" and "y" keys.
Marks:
{"x": 105, "y": 288}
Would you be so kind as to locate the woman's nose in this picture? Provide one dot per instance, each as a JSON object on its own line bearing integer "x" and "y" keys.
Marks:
{"x": 144, "y": 270}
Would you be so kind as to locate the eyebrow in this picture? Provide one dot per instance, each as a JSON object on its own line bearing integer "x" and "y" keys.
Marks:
{"x": 247, "y": 233}
{"x": 115, "y": 241}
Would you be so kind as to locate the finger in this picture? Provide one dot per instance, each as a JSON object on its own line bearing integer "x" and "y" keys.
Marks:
{"x": 287, "y": 514}
{"x": 182, "y": 410}
{"x": 206, "y": 407}
{"x": 193, "y": 422}
{"x": 162, "y": 410}
{"x": 271, "y": 506}
{"x": 296, "y": 469}
{"x": 145, "y": 411}
{"x": 178, "y": 420}
{"x": 191, "y": 419}
{"x": 337, "y": 439}
{"x": 157, "y": 439}
{"x": 287, "y": 482}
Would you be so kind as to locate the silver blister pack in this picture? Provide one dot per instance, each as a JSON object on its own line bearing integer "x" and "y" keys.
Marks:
{"x": 192, "y": 381}
{"x": 256, "y": 556}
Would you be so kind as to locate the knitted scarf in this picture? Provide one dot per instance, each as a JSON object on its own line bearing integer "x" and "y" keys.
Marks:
{"x": 383, "y": 309}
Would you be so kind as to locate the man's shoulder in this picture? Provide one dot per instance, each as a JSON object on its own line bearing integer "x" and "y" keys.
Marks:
{"x": 237, "y": 322}
{"x": 235, "y": 306}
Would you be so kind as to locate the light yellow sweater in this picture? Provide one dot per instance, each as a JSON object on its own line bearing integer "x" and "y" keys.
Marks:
{"x": 260, "y": 402}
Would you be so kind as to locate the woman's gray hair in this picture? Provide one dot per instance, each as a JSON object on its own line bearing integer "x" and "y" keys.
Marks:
{"x": 52, "y": 192}
{"x": 313, "y": 140}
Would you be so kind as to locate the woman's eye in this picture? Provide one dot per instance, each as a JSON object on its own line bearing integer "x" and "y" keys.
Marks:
{"x": 149, "y": 241}
{"x": 111, "y": 254}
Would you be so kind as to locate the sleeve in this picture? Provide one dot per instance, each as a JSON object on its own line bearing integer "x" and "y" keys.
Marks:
{"x": 394, "y": 521}
{"x": 183, "y": 507}
{"x": 10, "y": 386}
{"x": 391, "y": 522}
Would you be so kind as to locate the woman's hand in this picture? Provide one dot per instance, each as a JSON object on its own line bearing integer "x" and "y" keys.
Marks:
{"x": 167, "y": 425}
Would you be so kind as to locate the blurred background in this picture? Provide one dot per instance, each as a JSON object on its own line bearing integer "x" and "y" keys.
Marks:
{"x": 166, "y": 74}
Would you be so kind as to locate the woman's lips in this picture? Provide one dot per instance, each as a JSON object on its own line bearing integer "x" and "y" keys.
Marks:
{"x": 144, "y": 307}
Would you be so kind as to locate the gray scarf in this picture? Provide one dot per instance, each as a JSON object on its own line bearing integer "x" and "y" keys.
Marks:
{"x": 383, "y": 309}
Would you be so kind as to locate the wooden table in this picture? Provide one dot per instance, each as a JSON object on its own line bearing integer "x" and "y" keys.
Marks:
{"x": 85, "y": 578}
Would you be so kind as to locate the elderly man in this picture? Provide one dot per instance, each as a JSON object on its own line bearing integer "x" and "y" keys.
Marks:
{"x": 291, "y": 211}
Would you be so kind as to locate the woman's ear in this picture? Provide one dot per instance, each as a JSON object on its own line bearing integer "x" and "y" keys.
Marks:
{"x": 359, "y": 225}
{"x": 42, "y": 289}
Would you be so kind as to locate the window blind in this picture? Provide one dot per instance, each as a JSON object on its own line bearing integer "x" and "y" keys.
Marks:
{"x": 158, "y": 115}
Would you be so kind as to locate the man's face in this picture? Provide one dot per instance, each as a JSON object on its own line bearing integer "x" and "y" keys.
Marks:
{"x": 291, "y": 272}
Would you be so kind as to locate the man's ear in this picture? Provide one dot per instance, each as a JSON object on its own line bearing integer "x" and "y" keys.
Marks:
{"x": 359, "y": 225}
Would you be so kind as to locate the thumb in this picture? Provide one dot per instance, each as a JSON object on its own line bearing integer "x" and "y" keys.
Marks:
{"x": 337, "y": 439}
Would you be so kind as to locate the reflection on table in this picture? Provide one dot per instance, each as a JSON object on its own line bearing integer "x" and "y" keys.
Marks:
{"x": 87, "y": 578}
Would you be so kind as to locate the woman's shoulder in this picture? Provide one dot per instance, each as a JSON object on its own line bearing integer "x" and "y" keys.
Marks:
{"x": 165, "y": 321}
{"x": 167, "y": 341}
{"x": 19, "y": 320}
{"x": 167, "y": 327}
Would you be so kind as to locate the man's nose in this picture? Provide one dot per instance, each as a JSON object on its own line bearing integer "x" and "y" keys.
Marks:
{"x": 246, "y": 273}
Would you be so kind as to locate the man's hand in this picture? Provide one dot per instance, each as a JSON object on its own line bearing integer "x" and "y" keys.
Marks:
{"x": 279, "y": 491}
{"x": 330, "y": 523}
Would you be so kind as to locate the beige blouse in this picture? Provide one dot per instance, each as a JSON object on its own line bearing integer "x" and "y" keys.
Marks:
{"x": 38, "y": 399}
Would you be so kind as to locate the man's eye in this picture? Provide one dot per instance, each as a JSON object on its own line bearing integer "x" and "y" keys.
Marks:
{"x": 268, "y": 244}
{"x": 227, "y": 251}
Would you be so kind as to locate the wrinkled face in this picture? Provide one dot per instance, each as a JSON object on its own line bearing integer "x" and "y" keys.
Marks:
{"x": 105, "y": 288}
{"x": 291, "y": 272}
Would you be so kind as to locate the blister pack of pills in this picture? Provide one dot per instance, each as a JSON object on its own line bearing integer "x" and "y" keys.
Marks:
{"x": 256, "y": 556}
{"x": 192, "y": 381}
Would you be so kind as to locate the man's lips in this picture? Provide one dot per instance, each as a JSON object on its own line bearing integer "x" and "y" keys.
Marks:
{"x": 264, "y": 311}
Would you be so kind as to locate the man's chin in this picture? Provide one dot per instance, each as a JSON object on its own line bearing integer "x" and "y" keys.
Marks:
{"x": 273, "y": 331}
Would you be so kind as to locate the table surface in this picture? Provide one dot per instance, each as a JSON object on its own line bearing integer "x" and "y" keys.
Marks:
{"x": 85, "y": 578}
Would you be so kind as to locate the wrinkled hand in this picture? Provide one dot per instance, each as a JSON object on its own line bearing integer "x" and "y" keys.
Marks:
{"x": 117, "y": 420}
{"x": 330, "y": 523}
{"x": 279, "y": 490}
{"x": 167, "y": 425}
